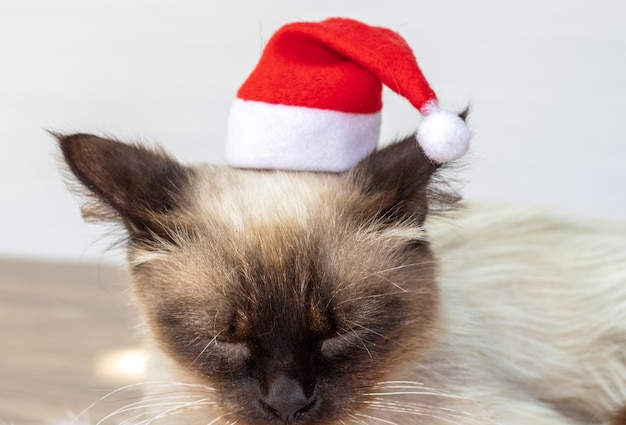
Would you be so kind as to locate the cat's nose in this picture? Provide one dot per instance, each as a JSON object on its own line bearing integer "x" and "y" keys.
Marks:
{"x": 286, "y": 400}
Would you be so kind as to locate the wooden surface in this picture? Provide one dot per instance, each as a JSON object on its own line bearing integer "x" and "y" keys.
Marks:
{"x": 55, "y": 322}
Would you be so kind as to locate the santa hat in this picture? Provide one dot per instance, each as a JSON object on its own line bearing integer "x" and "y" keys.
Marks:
{"x": 314, "y": 100}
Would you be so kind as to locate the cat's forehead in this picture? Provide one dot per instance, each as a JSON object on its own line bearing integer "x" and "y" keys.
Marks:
{"x": 272, "y": 225}
{"x": 246, "y": 199}
{"x": 244, "y": 222}
{"x": 237, "y": 215}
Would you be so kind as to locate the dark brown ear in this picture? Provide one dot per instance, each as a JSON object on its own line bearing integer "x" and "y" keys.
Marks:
{"x": 141, "y": 186}
{"x": 394, "y": 183}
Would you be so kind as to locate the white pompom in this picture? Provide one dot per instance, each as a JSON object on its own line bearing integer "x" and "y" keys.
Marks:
{"x": 443, "y": 136}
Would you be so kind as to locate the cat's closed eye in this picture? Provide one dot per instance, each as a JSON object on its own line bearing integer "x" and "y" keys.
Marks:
{"x": 237, "y": 352}
{"x": 337, "y": 345}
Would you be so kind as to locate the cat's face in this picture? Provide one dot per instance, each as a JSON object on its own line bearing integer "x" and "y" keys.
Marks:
{"x": 290, "y": 294}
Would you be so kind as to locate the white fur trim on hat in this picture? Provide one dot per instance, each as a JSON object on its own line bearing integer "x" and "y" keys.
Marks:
{"x": 270, "y": 136}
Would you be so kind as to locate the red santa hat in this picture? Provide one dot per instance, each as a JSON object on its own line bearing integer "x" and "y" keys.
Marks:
{"x": 314, "y": 100}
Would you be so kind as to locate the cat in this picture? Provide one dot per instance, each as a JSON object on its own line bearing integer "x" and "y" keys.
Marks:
{"x": 372, "y": 296}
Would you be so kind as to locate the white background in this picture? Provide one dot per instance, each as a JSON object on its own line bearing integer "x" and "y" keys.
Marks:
{"x": 546, "y": 80}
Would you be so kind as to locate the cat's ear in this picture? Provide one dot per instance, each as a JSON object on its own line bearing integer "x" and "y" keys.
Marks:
{"x": 138, "y": 186}
{"x": 395, "y": 184}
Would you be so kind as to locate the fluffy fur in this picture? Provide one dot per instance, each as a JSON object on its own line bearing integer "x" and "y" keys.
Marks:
{"x": 358, "y": 298}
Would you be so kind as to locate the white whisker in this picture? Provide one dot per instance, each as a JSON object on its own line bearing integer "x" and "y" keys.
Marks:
{"x": 219, "y": 418}
{"x": 180, "y": 409}
{"x": 414, "y": 399}
{"x": 356, "y": 420}
{"x": 429, "y": 393}
{"x": 206, "y": 347}
{"x": 172, "y": 391}
{"x": 358, "y": 325}
{"x": 385, "y": 421}
{"x": 147, "y": 403}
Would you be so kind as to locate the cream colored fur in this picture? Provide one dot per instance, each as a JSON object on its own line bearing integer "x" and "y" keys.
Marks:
{"x": 533, "y": 321}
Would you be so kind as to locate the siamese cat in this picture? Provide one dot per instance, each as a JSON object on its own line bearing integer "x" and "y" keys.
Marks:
{"x": 367, "y": 297}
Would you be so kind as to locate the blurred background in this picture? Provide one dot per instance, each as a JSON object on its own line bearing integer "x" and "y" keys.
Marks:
{"x": 545, "y": 78}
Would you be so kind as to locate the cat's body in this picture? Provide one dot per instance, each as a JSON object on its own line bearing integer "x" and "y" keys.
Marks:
{"x": 335, "y": 299}
{"x": 533, "y": 310}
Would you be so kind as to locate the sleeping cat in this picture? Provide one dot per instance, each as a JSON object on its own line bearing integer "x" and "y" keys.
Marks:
{"x": 364, "y": 297}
